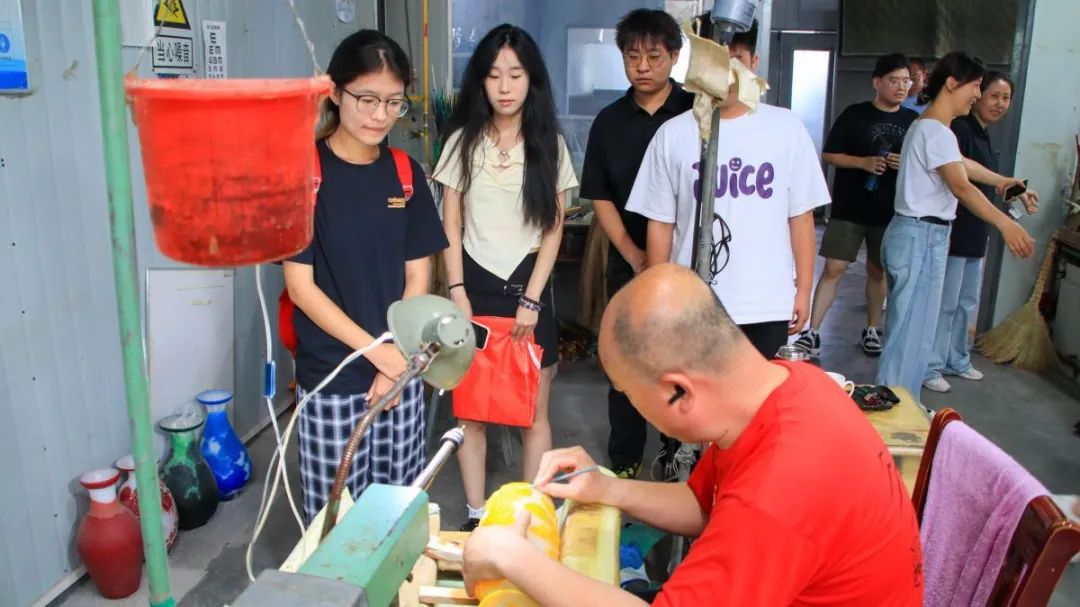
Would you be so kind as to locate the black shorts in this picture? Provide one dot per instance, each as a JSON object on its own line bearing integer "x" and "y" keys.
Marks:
{"x": 493, "y": 296}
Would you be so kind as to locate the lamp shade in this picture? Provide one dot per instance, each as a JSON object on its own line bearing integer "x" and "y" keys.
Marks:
{"x": 428, "y": 319}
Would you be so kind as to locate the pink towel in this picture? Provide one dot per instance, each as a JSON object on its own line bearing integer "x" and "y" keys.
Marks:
{"x": 976, "y": 496}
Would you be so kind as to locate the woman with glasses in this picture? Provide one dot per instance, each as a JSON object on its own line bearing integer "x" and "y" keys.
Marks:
{"x": 505, "y": 169}
{"x": 967, "y": 242}
{"x": 933, "y": 175}
{"x": 371, "y": 247}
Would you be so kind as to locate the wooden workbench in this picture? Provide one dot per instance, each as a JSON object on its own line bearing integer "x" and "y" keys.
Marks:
{"x": 904, "y": 429}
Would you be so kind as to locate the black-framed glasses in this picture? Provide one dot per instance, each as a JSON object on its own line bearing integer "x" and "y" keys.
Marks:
{"x": 367, "y": 104}
{"x": 653, "y": 58}
{"x": 721, "y": 252}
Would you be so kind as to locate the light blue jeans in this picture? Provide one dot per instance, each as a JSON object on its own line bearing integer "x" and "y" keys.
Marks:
{"x": 959, "y": 299}
{"x": 913, "y": 253}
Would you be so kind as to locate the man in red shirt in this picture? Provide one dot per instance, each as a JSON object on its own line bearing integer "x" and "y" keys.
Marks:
{"x": 796, "y": 501}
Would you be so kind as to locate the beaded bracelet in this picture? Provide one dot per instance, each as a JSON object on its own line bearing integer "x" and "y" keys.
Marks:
{"x": 530, "y": 304}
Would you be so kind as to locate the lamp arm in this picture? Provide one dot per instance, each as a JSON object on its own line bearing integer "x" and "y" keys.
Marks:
{"x": 418, "y": 363}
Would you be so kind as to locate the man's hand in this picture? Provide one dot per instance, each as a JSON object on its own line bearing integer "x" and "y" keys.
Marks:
{"x": 379, "y": 387}
{"x": 874, "y": 164}
{"x": 487, "y": 548}
{"x": 893, "y": 160}
{"x": 636, "y": 258}
{"x": 801, "y": 313}
{"x": 589, "y": 488}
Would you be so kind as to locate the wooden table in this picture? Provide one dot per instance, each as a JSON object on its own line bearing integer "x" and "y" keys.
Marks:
{"x": 904, "y": 429}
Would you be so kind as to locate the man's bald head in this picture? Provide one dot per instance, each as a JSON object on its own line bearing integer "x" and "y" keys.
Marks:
{"x": 668, "y": 319}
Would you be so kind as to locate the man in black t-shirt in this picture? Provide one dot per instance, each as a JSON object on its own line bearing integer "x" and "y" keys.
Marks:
{"x": 649, "y": 41}
{"x": 864, "y": 146}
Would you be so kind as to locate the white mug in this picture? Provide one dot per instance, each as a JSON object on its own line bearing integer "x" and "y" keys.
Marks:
{"x": 845, "y": 384}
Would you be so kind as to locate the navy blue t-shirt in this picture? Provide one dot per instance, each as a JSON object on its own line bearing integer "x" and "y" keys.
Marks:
{"x": 363, "y": 237}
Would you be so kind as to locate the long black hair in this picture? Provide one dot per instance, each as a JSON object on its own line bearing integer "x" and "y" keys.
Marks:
{"x": 959, "y": 66}
{"x": 361, "y": 53}
{"x": 473, "y": 113}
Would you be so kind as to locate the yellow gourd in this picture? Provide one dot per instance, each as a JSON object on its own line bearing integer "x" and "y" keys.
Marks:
{"x": 502, "y": 509}
{"x": 508, "y": 598}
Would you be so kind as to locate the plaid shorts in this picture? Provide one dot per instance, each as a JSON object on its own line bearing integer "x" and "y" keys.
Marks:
{"x": 392, "y": 451}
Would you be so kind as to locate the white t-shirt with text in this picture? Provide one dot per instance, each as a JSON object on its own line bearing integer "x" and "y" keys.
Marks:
{"x": 920, "y": 189}
{"x": 767, "y": 172}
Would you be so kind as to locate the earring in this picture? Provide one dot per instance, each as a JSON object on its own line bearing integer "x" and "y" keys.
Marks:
{"x": 679, "y": 393}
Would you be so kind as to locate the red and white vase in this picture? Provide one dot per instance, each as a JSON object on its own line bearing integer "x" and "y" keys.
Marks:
{"x": 109, "y": 541}
{"x": 129, "y": 497}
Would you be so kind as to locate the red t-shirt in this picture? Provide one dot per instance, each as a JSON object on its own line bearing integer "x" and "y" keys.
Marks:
{"x": 805, "y": 508}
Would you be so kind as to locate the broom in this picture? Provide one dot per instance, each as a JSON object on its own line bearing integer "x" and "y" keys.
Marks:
{"x": 1023, "y": 338}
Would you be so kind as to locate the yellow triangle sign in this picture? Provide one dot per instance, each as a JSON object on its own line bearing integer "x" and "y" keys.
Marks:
{"x": 171, "y": 13}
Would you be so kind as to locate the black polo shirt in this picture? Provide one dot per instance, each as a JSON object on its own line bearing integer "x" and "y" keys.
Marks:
{"x": 969, "y": 233}
{"x": 364, "y": 234}
{"x": 617, "y": 142}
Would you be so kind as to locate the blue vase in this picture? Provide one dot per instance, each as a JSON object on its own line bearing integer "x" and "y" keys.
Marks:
{"x": 227, "y": 456}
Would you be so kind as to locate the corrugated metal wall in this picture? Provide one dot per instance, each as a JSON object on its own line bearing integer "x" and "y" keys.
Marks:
{"x": 61, "y": 385}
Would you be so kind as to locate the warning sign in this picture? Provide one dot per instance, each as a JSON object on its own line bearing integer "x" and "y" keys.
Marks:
{"x": 171, "y": 13}
{"x": 173, "y": 53}
{"x": 174, "y": 47}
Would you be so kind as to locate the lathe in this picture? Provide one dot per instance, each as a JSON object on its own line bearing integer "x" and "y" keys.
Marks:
{"x": 388, "y": 548}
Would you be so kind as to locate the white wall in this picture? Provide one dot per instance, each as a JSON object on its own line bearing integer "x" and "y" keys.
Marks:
{"x": 1049, "y": 120}
{"x": 62, "y": 403}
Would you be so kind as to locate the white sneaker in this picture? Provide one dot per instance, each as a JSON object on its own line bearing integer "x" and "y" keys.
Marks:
{"x": 973, "y": 374}
{"x": 938, "y": 384}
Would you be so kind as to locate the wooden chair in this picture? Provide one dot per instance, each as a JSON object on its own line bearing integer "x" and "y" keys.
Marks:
{"x": 1040, "y": 549}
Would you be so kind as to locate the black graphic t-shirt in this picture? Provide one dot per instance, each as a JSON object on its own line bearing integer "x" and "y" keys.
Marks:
{"x": 864, "y": 130}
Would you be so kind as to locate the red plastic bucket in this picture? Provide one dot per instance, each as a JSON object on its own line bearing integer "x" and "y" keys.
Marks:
{"x": 229, "y": 166}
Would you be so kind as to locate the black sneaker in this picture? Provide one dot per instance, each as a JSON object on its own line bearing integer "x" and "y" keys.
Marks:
{"x": 469, "y": 525}
{"x": 871, "y": 341}
{"x": 809, "y": 341}
{"x": 628, "y": 471}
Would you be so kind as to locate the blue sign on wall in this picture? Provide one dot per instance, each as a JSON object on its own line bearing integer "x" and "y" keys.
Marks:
{"x": 14, "y": 76}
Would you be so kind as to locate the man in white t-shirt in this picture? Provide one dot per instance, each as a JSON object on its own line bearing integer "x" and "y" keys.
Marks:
{"x": 768, "y": 183}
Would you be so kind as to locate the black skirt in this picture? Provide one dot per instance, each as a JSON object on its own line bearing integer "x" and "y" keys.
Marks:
{"x": 493, "y": 296}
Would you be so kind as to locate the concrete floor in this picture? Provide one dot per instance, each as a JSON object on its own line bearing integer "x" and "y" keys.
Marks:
{"x": 1029, "y": 416}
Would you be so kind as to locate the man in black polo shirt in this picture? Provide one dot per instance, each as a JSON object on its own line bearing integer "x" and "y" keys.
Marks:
{"x": 864, "y": 147}
{"x": 649, "y": 41}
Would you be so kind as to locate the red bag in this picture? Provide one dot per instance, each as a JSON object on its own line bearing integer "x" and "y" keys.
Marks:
{"x": 504, "y": 379}
{"x": 286, "y": 330}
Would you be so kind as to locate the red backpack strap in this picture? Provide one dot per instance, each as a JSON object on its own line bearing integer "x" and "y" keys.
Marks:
{"x": 403, "y": 164}
{"x": 317, "y": 174}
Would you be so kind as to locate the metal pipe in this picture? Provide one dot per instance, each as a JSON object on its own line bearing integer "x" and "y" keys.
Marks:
{"x": 451, "y": 442}
{"x": 425, "y": 75}
{"x": 122, "y": 231}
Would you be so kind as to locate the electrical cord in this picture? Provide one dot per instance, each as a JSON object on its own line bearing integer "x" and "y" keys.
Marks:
{"x": 269, "y": 390}
{"x": 277, "y": 458}
{"x": 280, "y": 460}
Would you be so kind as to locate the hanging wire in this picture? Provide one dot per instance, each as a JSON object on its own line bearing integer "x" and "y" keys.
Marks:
{"x": 134, "y": 72}
{"x": 307, "y": 40}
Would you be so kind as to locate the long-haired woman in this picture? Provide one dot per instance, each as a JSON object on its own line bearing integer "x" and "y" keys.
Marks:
{"x": 505, "y": 170}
